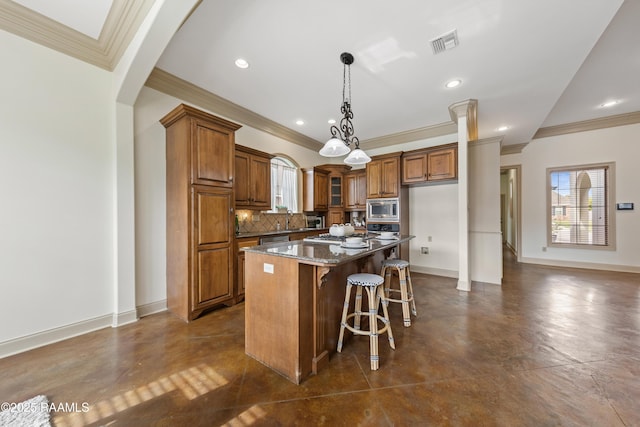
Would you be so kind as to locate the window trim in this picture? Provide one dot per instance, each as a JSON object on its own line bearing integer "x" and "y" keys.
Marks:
{"x": 611, "y": 211}
{"x": 298, "y": 174}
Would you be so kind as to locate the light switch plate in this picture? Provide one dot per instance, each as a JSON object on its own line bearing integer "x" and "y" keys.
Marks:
{"x": 627, "y": 206}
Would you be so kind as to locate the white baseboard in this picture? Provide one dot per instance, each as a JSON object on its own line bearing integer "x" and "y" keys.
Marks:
{"x": 39, "y": 339}
{"x": 578, "y": 264}
{"x": 29, "y": 342}
{"x": 125, "y": 318}
{"x": 434, "y": 271}
{"x": 152, "y": 308}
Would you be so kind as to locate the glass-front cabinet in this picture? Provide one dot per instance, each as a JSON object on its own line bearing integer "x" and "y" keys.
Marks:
{"x": 335, "y": 191}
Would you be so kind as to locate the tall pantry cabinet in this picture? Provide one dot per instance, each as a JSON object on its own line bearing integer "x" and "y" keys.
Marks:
{"x": 200, "y": 211}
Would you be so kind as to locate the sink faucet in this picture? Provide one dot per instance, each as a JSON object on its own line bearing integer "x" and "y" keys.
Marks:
{"x": 286, "y": 223}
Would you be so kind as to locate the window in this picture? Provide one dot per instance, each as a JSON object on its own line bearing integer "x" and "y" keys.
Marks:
{"x": 580, "y": 213}
{"x": 284, "y": 184}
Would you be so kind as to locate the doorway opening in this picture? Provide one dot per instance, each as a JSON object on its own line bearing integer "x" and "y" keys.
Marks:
{"x": 510, "y": 208}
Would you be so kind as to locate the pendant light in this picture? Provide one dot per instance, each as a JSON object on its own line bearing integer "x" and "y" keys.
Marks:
{"x": 342, "y": 137}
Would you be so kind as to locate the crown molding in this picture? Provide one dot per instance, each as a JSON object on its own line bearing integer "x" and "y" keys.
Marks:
{"x": 587, "y": 125}
{"x": 123, "y": 20}
{"x": 433, "y": 131}
{"x": 512, "y": 148}
{"x": 174, "y": 86}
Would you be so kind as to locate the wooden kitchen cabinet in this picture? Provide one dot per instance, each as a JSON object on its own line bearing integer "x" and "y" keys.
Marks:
{"x": 200, "y": 211}
{"x": 356, "y": 190}
{"x": 242, "y": 243}
{"x": 335, "y": 217}
{"x": 383, "y": 176}
{"x": 315, "y": 187}
{"x": 336, "y": 189}
{"x": 442, "y": 164}
{"x": 430, "y": 165}
{"x": 253, "y": 179}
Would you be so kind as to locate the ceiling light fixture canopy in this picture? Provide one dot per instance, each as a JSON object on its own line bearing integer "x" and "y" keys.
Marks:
{"x": 342, "y": 137}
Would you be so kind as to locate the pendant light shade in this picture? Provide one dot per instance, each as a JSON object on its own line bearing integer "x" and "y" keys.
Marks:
{"x": 343, "y": 136}
{"x": 357, "y": 157}
{"x": 334, "y": 148}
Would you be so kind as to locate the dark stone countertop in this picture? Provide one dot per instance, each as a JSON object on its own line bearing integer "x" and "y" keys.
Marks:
{"x": 325, "y": 253}
{"x": 280, "y": 232}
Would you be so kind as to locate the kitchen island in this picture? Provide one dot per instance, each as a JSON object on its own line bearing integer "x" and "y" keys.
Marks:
{"x": 294, "y": 298}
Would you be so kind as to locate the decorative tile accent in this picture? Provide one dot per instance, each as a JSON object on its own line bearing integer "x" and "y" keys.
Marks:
{"x": 257, "y": 222}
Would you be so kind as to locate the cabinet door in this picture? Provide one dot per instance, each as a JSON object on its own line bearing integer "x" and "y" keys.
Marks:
{"x": 242, "y": 243}
{"x": 390, "y": 182}
{"x": 261, "y": 182}
{"x": 214, "y": 277}
{"x": 351, "y": 191}
{"x": 374, "y": 174}
{"x": 336, "y": 217}
{"x": 213, "y": 155}
{"x": 320, "y": 187}
{"x": 361, "y": 198}
{"x": 213, "y": 244}
{"x": 243, "y": 180}
{"x": 414, "y": 168}
{"x": 335, "y": 191}
{"x": 355, "y": 185}
{"x": 442, "y": 164}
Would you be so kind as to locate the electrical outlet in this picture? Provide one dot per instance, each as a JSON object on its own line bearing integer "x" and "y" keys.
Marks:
{"x": 544, "y": 249}
{"x": 424, "y": 250}
{"x": 429, "y": 238}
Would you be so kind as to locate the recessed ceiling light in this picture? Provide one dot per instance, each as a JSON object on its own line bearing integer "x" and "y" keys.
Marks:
{"x": 453, "y": 83}
{"x": 299, "y": 122}
{"x": 609, "y": 104}
{"x": 331, "y": 121}
{"x": 503, "y": 128}
{"x": 242, "y": 63}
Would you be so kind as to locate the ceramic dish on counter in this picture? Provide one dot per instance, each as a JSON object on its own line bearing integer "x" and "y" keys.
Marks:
{"x": 360, "y": 245}
{"x": 381, "y": 237}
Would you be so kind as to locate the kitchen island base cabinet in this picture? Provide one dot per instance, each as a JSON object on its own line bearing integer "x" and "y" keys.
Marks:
{"x": 293, "y": 311}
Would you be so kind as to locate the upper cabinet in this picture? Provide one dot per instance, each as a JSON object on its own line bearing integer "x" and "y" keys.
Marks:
{"x": 315, "y": 186}
{"x": 383, "y": 176}
{"x": 336, "y": 188}
{"x": 253, "y": 179}
{"x": 355, "y": 185}
{"x": 430, "y": 165}
{"x": 210, "y": 140}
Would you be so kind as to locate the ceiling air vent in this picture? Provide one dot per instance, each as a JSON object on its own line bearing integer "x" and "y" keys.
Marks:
{"x": 445, "y": 42}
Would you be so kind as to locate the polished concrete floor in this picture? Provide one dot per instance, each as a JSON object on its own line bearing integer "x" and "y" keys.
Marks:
{"x": 551, "y": 347}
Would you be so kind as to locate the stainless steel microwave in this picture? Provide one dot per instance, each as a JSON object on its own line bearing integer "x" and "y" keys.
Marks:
{"x": 383, "y": 210}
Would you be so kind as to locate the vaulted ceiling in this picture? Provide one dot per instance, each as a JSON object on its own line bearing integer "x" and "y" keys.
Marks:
{"x": 535, "y": 67}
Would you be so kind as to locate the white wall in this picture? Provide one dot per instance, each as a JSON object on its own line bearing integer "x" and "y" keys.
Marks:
{"x": 57, "y": 189}
{"x": 150, "y": 167}
{"x": 619, "y": 145}
{"x": 485, "y": 238}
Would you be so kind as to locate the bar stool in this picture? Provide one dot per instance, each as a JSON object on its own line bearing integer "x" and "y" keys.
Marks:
{"x": 373, "y": 284}
{"x": 406, "y": 292}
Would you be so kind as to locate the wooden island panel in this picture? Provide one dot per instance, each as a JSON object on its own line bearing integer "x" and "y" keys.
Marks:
{"x": 292, "y": 316}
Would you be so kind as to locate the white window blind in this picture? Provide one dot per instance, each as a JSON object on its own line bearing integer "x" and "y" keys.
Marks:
{"x": 579, "y": 205}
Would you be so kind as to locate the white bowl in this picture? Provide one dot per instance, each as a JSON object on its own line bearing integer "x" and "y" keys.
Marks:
{"x": 353, "y": 240}
{"x": 386, "y": 234}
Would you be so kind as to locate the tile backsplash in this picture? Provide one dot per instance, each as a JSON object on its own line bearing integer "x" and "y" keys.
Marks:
{"x": 257, "y": 222}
